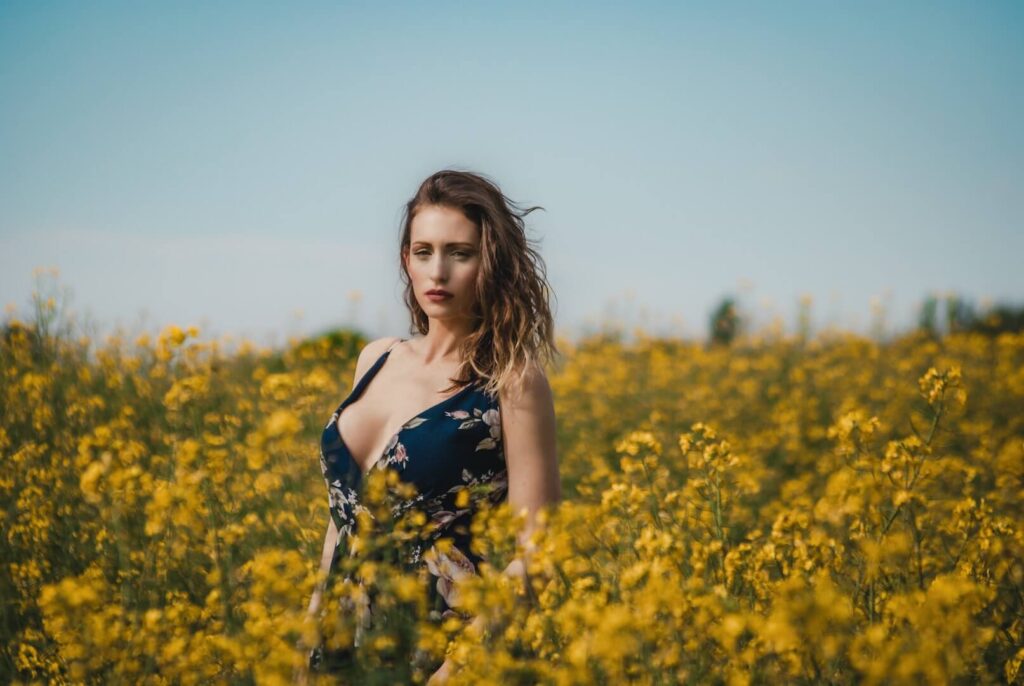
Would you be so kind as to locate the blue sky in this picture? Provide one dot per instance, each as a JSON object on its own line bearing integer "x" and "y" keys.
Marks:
{"x": 242, "y": 166}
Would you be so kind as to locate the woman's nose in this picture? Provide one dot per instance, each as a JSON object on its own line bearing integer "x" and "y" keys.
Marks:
{"x": 439, "y": 270}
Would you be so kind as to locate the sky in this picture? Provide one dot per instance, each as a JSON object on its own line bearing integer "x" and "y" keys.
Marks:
{"x": 243, "y": 166}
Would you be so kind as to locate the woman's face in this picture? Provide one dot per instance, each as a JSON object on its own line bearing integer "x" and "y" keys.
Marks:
{"x": 444, "y": 255}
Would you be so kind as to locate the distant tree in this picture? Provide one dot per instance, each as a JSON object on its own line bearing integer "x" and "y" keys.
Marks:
{"x": 999, "y": 319}
{"x": 927, "y": 320}
{"x": 725, "y": 322}
{"x": 961, "y": 316}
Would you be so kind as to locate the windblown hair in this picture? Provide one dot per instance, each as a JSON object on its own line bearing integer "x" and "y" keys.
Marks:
{"x": 513, "y": 326}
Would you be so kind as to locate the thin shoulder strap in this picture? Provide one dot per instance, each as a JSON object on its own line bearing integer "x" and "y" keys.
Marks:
{"x": 369, "y": 374}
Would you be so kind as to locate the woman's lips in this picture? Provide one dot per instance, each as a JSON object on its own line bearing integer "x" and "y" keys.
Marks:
{"x": 438, "y": 297}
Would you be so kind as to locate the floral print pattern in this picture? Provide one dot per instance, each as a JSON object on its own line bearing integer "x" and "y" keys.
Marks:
{"x": 490, "y": 418}
{"x": 453, "y": 446}
{"x": 449, "y": 568}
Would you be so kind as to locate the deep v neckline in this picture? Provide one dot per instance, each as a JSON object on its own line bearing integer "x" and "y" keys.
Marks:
{"x": 358, "y": 391}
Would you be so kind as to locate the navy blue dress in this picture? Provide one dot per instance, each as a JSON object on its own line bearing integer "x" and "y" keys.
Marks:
{"x": 454, "y": 445}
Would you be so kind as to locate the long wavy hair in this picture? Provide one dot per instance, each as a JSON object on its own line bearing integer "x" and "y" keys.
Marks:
{"x": 513, "y": 326}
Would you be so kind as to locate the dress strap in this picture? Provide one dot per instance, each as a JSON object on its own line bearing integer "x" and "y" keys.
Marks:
{"x": 400, "y": 340}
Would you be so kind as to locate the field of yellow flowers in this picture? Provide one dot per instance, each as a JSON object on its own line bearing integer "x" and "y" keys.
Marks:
{"x": 834, "y": 510}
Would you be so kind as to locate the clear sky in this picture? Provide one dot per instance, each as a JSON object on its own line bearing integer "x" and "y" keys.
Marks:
{"x": 242, "y": 166}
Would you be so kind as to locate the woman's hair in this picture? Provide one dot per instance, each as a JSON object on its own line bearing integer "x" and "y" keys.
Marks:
{"x": 513, "y": 326}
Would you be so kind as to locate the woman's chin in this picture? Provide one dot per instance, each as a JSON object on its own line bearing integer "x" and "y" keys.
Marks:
{"x": 440, "y": 306}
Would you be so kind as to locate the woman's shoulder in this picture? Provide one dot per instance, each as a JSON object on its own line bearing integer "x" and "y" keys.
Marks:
{"x": 371, "y": 352}
{"x": 529, "y": 390}
{"x": 376, "y": 347}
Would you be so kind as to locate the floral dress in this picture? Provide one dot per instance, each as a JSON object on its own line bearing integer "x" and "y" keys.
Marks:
{"x": 450, "y": 447}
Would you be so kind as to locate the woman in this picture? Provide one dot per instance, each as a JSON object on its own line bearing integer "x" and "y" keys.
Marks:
{"x": 477, "y": 295}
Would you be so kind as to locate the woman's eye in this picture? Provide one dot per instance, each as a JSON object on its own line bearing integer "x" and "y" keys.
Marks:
{"x": 461, "y": 254}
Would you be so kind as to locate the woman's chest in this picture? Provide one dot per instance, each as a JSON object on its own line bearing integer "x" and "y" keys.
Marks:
{"x": 454, "y": 440}
{"x": 369, "y": 424}
{"x": 437, "y": 450}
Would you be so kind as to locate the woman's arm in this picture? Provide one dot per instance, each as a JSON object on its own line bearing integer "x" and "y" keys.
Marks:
{"x": 528, "y": 436}
{"x": 301, "y": 675}
{"x": 330, "y": 540}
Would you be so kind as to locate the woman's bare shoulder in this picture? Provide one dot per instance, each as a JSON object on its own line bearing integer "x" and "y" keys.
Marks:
{"x": 530, "y": 390}
{"x": 376, "y": 347}
{"x": 370, "y": 353}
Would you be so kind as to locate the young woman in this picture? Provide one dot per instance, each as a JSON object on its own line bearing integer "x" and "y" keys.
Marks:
{"x": 464, "y": 403}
